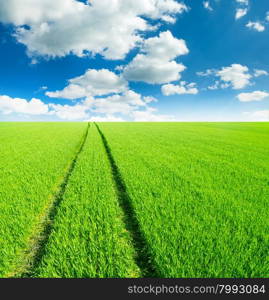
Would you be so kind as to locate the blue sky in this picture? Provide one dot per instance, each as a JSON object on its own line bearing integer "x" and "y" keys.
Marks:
{"x": 150, "y": 60}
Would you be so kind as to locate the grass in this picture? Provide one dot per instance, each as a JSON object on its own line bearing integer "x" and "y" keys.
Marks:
{"x": 89, "y": 236}
{"x": 134, "y": 200}
{"x": 33, "y": 162}
{"x": 200, "y": 193}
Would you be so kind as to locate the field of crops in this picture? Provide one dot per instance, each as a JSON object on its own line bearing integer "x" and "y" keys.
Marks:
{"x": 33, "y": 162}
{"x": 134, "y": 200}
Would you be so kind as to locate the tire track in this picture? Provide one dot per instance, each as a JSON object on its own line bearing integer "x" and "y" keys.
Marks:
{"x": 31, "y": 257}
{"x": 143, "y": 257}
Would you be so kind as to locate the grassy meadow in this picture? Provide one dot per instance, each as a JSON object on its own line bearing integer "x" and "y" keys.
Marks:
{"x": 134, "y": 200}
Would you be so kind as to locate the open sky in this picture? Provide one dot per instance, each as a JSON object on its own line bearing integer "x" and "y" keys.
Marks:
{"x": 134, "y": 60}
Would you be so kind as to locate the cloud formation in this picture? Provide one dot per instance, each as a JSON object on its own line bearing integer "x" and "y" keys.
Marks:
{"x": 253, "y": 96}
{"x": 92, "y": 83}
{"x": 123, "y": 103}
{"x": 106, "y": 118}
{"x": 181, "y": 89}
{"x": 207, "y": 5}
{"x": 156, "y": 64}
{"x": 49, "y": 24}
{"x": 128, "y": 104}
{"x": 10, "y": 105}
{"x": 150, "y": 115}
{"x": 245, "y": 2}
{"x": 258, "y": 73}
{"x": 237, "y": 76}
{"x": 240, "y": 12}
{"x": 258, "y": 26}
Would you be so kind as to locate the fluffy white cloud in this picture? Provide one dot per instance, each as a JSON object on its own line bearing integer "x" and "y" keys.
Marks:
{"x": 121, "y": 103}
{"x": 243, "y": 10}
{"x": 267, "y": 16}
{"x": 30, "y": 12}
{"x": 72, "y": 91}
{"x": 107, "y": 118}
{"x": 60, "y": 27}
{"x": 235, "y": 75}
{"x": 182, "y": 88}
{"x": 69, "y": 112}
{"x": 219, "y": 85}
{"x": 163, "y": 9}
{"x": 207, "y": 5}
{"x": 125, "y": 103}
{"x": 149, "y": 115}
{"x": 256, "y": 26}
{"x": 157, "y": 65}
{"x": 10, "y": 105}
{"x": 253, "y": 96}
{"x": 258, "y": 73}
{"x": 149, "y": 99}
{"x": 153, "y": 71}
{"x": 243, "y": 2}
{"x": 206, "y": 73}
{"x": 166, "y": 46}
{"x": 92, "y": 83}
{"x": 240, "y": 12}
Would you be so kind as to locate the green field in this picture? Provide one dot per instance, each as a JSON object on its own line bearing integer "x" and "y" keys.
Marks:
{"x": 134, "y": 200}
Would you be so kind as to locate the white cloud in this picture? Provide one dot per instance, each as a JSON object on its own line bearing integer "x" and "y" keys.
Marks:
{"x": 165, "y": 46}
{"x": 207, "y": 5}
{"x": 121, "y": 103}
{"x": 108, "y": 27}
{"x": 157, "y": 65}
{"x": 237, "y": 75}
{"x": 267, "y": 16}
{"x": 149, "y": 115}
{"x": 149, "y": 99}
{"x": 92, "y": 83}
{"x": 215, "y": 86}
{"x": 72, "y": 91}
{"x": 125, "y": 103}
{"x": 68, "y": 112}
{"x": 10, "y": 105}
{"x": 242, "y": 1}
{"x": 240, "y": 12}
{"x": 219, "y": 85}
{"x": 165, "y": 9}
{"x": 22, "y": 12}
{"x": 258, "y": 73}
{"x": 206, "y": 73}
{"x": 107, "y": 118}
{"x": 182, "y": 88}
{"x": 253, "y": 96}
{"x": 153, "y": 71}
{"x": 256, "y": 26}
